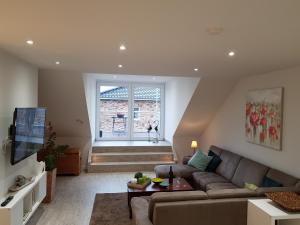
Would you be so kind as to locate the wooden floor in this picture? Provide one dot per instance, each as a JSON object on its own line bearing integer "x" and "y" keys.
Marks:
{"x": 74, "y": 198}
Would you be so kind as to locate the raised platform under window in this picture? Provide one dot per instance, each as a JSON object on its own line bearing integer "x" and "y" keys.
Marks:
{"x": 121, "y": 156}
{"x": 129, "y": 143}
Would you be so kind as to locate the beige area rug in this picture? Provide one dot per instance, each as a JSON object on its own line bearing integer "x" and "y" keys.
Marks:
{"x": 110, "y": 209}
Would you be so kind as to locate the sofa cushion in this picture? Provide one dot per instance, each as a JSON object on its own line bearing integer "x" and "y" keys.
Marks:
{"x": 215, "y": 150}
{"x": 174, "y": 197}
{"x": 220, "y": 186}
{"x": 228, "y": 165}
{"x": 249, "y": 171}
{"x": 214, "y": 162}
{"x": 231, "y": 193}
{"x": 201, "y": 179}
{"x": 183, "y": 171}
{"x": 200, "y": 160}
{"x": 268, "y": 182}
{"x": 282, "y": 178}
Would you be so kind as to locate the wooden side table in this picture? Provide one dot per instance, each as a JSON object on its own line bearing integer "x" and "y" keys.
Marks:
{"x": 266, "y": 212}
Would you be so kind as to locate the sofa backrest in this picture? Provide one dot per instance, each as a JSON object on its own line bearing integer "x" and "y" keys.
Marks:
{"x": 216, "y": 149}
{"x": 173, "y": 197}
{"x": 228, "y": 165}
{"x": 282, "y": 178}
{"x": 249, "y": 171}
{"x": 206, "y": 212}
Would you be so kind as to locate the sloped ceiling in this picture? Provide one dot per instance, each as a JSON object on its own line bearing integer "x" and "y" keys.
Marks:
{"x": 208, "y": 97}
{"x": 62, "y": 93}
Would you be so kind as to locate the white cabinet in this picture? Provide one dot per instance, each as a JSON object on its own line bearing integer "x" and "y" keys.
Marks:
{"x": 24, "y": 203}
{"x": 266, "y": 212}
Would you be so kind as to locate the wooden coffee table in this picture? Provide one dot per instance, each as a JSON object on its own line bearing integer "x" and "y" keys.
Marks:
{"x": 179, "y": 184}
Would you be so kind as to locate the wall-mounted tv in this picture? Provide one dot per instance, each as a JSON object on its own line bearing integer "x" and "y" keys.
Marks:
{"x": 27, "y": 132}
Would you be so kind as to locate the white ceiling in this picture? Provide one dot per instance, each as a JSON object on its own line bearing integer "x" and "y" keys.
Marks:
{"x": 166, "y": 37}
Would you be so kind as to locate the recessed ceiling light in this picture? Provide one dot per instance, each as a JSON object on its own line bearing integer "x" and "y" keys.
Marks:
{"x": 153, "y": 78}
{"x": 120, "y": 66}
{"x": 57, "y": 62}
{"x": 115, "y": 76}
{"x": 122, "y": 47}
{"x": 196, "y": 69}
{"x": 30, "y": 42}
{"x": 231, "y": 53}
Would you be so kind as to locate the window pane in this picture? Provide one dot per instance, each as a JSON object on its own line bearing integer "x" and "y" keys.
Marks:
{"x": 146, "y": 111}
{"x": 113, "y": 116}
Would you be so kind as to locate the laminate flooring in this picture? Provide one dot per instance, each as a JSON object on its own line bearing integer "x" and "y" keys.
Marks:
{"x": 74, "y": 198}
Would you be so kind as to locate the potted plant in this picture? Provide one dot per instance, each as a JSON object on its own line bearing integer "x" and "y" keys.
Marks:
{"x": 52, "y": 153}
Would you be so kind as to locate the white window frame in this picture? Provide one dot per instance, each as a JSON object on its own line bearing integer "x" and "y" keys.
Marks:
{"x": 130, "y": 119}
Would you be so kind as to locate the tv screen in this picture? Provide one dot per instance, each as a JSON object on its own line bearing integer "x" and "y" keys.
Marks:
{"x": 28, "y": 134}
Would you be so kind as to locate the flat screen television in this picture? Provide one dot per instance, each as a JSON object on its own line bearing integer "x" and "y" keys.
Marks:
{"x": 27, "y": 132}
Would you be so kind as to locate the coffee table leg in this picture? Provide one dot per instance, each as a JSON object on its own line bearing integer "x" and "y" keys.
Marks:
{"x": 129, "y": 205}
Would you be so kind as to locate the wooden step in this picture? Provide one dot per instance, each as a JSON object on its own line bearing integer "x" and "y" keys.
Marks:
{"x": 126, "y": 166}
{"x": 130, "y": 149}
{"x": 131, "y": 156}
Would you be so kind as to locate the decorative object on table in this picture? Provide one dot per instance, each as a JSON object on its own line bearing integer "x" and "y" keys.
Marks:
{"x": 149, "y": 128}
{"x": 164, "y": 184}
{"x": 157, "y": 180}
{"x": 171, "y": 175}
{"x": 139, "y": 181}
{"x": 52, "y": 153}
{"x": 290, "y": 201}
{"x": 20, "y": 183}
{"x": 263, "y": 124}
{"x": 194, "y": 146}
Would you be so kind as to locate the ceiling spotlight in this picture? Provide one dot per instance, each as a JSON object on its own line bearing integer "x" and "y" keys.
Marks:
{"x": 153, "y": 78}
{"x": 30, "y": 42}
{"x": 120, "y": 66}
{"x": 196, "y": 69}
{"x": 231, "y": 53}
{"x": 115, "y": 76}
{"x": 122, "y": 47}
{"x": 57, "y": 62}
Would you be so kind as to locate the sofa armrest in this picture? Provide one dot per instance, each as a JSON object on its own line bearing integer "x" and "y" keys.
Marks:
{"x": 186, "y": 159}
{"x": 262, "y": 190}
{"x": 174, "y": 197}
{"x": 140, "y": 211}
{"x": 208, "y": 212}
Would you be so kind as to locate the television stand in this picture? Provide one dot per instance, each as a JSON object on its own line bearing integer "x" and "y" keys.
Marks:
{"x": 25, "y": 202}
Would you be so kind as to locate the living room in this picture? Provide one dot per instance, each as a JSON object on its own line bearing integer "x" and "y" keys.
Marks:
{"x": 128, "y": 90}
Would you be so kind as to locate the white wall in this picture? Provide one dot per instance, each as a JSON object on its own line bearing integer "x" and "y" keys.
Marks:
{"x": 62, "y": 93}
{"x": 178, "y": 93}
{"x": 18, "y": 88}
{"x": 227, "y": 128}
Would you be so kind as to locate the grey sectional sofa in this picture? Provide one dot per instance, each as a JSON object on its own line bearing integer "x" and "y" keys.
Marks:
{"x": 221, "y": 198}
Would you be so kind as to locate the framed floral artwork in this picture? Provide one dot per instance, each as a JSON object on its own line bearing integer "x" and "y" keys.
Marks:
{"x": 264, "y": 117}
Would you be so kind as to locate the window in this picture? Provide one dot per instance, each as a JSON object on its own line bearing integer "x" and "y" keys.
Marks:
{"x": 136, "y": 115}
{"x": 125, "y": 111}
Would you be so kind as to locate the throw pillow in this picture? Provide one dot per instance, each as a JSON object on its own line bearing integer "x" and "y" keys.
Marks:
{"x": 211, "y": 153}
{"x": 251, "y": 187}
{"x": 199, "y": 160}
{"x": 268, "y": 182}
{"x": 214, "y": 163}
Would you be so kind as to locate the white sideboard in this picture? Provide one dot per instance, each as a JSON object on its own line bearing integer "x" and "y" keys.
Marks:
{"x": 24, "y": 203}
{"x": 266, "y": 212}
